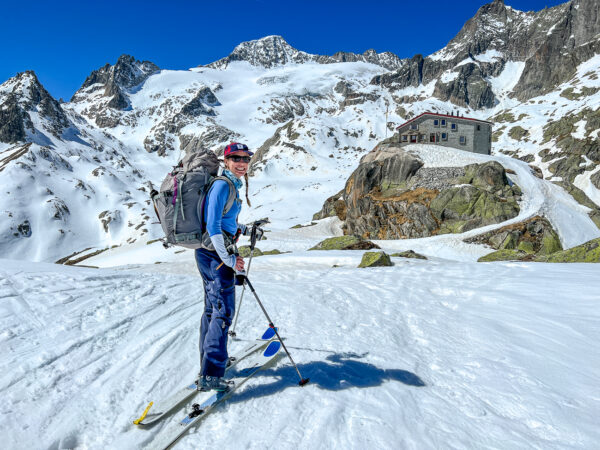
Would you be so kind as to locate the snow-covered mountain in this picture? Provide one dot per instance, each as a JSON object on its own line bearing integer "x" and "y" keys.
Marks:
{"x": 80, "y": 171}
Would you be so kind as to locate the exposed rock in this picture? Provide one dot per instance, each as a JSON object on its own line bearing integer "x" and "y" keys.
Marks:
{"x": 106, "y": 217}
{"x": 375, "y": 259}
{"x": 333, "y": 206}
{"x": 409, "y": 254}
{"x": 345, "y": 243}
{"x": 284, "y": 135}
{"x": 533, "y": 236}
{"x": 244, "y": 251}
{"x": 518, "y": 133}
{"x": 469, "y": 88}
{"x": 12, "y": 128}
{"x": 390, "y": 196}
{"x": 113, "y": 83}
{"x": 24, "y": 229}
{"x": 595, "y": 179}
{"x": 504, "y": 255}
{"x": 588, "y": 252}
{"x": 22, "y": 95}
{"x": 272, "y": 51}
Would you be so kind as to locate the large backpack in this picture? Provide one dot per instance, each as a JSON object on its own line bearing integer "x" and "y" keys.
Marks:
{"x": 180, "y": 203}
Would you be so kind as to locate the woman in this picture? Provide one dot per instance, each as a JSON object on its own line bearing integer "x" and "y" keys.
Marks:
{"x": 218, "y": 266}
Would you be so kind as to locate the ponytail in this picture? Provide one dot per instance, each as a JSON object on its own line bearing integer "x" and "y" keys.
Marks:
{"x": 246, "y": 182}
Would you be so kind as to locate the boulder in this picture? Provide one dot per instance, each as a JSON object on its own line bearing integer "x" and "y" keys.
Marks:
{"x": 532, "y": 236}
{"x": 504, "y": 255}
{"x": 244, "y": 251}
{"x": 375, "y": 259}
{"x": 333, "y": 206}
{"x": 588, "y": 252}
{"x": 345, "y": 243}
{"x": 409, "y": 254}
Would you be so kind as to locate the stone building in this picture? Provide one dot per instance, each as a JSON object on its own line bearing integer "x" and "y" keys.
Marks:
{"x": 464, "y": 133}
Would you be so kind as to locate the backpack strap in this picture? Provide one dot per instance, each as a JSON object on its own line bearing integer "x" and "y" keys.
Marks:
{"x": 232, "y": 193}
{"x": 206, "y": 242}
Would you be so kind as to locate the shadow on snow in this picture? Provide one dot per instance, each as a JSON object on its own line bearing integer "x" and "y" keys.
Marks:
{"x": 338, "y": 372}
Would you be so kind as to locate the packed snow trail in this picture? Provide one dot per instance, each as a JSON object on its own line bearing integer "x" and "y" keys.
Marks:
{"x": 425, "y": 354}
{"x": 540, "y": 197}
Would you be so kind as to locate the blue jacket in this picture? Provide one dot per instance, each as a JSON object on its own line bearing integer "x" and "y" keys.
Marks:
{"x": 216, "y": 198}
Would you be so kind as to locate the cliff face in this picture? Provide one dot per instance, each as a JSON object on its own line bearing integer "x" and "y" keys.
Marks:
{"x": 392, "y": 196}
{"x": 551, "y": 42}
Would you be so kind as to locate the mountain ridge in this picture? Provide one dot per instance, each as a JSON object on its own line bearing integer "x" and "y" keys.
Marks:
{"x": 311, "y": 117}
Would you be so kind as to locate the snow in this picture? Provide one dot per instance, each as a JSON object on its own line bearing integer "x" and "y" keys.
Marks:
{"x": 447, "y": 77}
{"x": 508, "y": 78}
{"x": 580, "y": 130}
{"x": 441, "y": 353}
{"x": 540, "y": 197}
{"x": 584, "y": 183}
{"x": 423, "y": 354}
{"x": 489, "y": 56}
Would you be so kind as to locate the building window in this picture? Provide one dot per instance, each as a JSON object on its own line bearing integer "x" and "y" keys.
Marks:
{"x": 421, "y": 138}
{"x": 443, "y": 122}
{"x": 463, "y": 140}
{"x": 478, "y": 127}
{"x": 432, "y": 137}
{"x": 436, "y": 122}
{"x": 414, "y": 126}
{"x": 404, "y": 138}
{"x": 444, "y": 136}
{"x": 413, "y": 138}
{"x": 453, "y": 126}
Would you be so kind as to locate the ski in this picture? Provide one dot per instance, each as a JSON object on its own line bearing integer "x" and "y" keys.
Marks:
{"x": 155, "y": 411}
{"x": 206, "y": 403}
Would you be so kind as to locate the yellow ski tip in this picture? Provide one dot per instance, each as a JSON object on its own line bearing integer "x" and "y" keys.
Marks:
{"x": 143, "y": 416}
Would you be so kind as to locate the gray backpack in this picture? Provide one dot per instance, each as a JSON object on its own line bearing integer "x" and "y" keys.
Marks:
{"x": 179, "y": 205}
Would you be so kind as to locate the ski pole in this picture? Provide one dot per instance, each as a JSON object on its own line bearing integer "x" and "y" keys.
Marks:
{"x": 303, "y": 381}
{"x": 253, "y": 239}
{"x": 232, "y": 333}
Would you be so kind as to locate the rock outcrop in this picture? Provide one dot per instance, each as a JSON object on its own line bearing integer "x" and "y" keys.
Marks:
{"x": 391, "y": 196}
{"x": 498, "y": 34}
{"x": 19, "y": 97}
{"x": 272, "y": 51}
{"x": 588, "y": 252}
{"x": 345, "y": 243}
{"x": 112, "y": 84}
{"x": 375, "y": 259}
{"x": 534, "y": 236}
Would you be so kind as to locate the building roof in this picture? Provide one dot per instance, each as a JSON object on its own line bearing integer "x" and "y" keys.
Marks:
{"x": 428, "y": 113}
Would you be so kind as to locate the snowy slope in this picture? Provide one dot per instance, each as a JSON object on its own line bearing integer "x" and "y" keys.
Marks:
{"x": 426, "y": 354}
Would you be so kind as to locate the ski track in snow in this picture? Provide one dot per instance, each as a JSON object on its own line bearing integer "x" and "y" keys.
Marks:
{"x": 425, "y": 354}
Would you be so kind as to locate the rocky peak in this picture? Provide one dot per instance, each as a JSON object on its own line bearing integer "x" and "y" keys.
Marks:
{"x": 116, "y": 80}
{"x": 24, "y": 94}
{"x": 386, "y": 59}
{"x": 270, "y": 51}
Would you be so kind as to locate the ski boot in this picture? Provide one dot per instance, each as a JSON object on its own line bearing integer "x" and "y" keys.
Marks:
{"x": 208, "y": 383}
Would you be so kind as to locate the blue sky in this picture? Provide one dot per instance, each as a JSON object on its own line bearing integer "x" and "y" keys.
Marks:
{"x": 63, "y": 41}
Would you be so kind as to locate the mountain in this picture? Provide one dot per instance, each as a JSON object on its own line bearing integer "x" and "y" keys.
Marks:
{"x": 551, "y": 42}
{"x": 91, "y": 161}
{"x": 109, "y": 85}
{"x": 28, "y": 112}
{"x": 273, "y": 51}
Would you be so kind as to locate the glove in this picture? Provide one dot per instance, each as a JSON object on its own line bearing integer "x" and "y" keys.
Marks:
{"x": 246, "y": 230}
{"x": 259, "y": 233}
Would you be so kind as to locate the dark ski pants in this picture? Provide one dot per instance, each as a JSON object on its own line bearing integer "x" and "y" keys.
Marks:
{"x": 219, "y": 307}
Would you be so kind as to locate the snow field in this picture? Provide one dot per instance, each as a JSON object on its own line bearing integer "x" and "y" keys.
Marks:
{"x": 423, "y": 354}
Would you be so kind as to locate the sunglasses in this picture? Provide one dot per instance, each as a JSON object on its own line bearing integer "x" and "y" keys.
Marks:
{"x": 236, "y": 158}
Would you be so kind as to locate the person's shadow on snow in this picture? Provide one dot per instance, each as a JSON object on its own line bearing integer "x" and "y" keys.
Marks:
{"x": 342, "y": 371}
